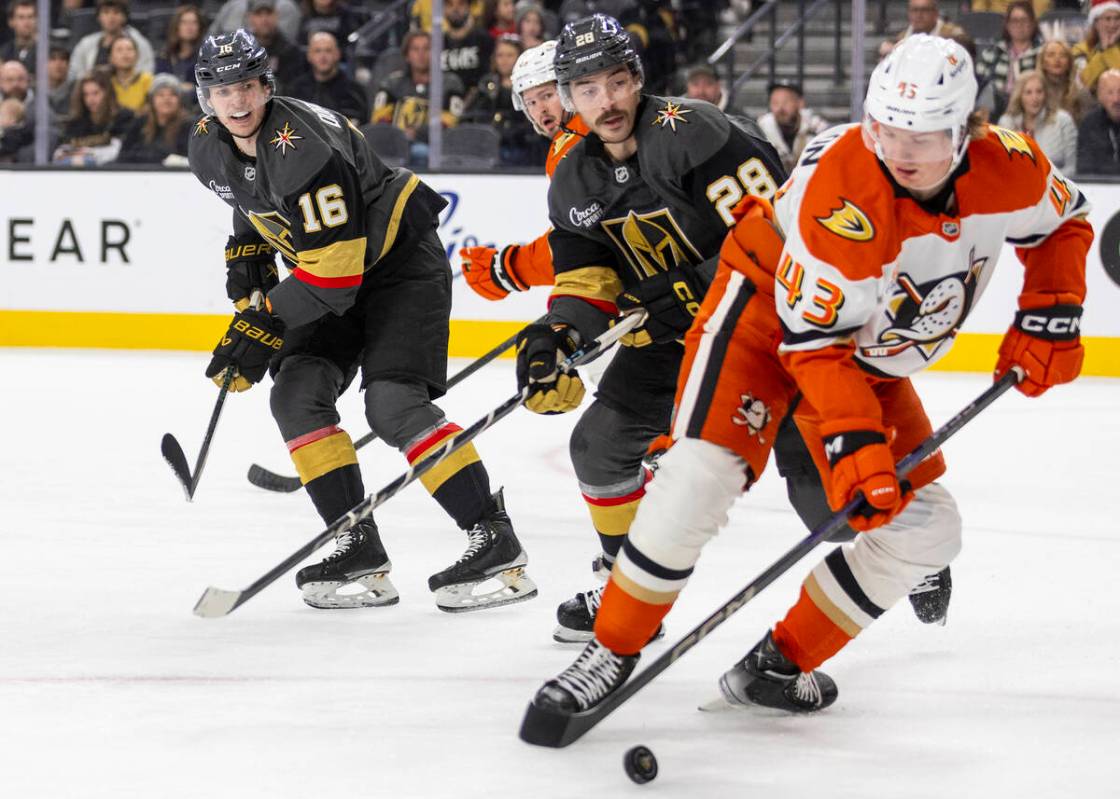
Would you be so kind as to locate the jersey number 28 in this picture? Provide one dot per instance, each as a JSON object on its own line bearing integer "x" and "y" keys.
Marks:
{"x": 752, "y": 176}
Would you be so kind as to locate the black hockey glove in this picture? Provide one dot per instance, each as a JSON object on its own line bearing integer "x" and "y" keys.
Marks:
{"x": 248, "y": 345}
{"x": 250, "y": 265}
{"x": 672, "y": 300}
{"x": 539, "y": 349}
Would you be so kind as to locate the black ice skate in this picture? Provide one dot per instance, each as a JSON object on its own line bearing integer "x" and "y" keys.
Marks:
{"x": 595, "y": 674}
{"x": 355, "y": 575}
{"x": 930, "y": 598}
{"x": 576, "y": 618}
{"x": 493, "y": 552}
{"x": 767, "y": 677}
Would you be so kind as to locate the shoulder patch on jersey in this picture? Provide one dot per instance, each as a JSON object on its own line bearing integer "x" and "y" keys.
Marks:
{"x": 848, "y": 222}
{"x": 1012, "y": 142}
{"x": 201, "y": 127}
{"x": 285, "y": 137}
{"x": 562, "y": 138}
{"x": 670, "y": 114}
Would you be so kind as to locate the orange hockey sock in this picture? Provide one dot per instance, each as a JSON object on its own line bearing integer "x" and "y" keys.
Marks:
{"x": 807, "y": 636}
{"x": 624, "y": 624}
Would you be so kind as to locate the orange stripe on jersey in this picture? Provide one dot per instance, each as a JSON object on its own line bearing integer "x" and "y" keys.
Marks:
{"x": 1006, "y": 172}
{"x": 565, "y": 139}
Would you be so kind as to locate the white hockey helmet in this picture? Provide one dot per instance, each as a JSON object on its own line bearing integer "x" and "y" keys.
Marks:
{"x": 533, "y": 68}
{"x": 925, "y": 85}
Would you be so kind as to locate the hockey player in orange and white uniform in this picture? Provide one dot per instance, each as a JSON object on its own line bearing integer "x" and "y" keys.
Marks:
{"x": 877, "y": 248}
{"x": 494, "y": 273}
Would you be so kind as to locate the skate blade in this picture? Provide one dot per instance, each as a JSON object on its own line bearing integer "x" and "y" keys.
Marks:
{"x": 460, "y": 597}
{"x": 718, "y": 704}
{"x": 374, "y": 590}
{"x": 566, "y": 635}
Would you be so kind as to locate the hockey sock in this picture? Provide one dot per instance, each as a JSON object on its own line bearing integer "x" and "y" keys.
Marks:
{"x": 328, "y": 466}
{"x": 612, "y": 516}
{"x": 625, "y": 623}
{"x": 807, "y": 635}
{"x": 459, "y": 483}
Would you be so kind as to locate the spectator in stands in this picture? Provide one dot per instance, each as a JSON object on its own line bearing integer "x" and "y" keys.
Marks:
{"x": 702, "y": 83}
{"x": 61, "y": 86}
{"x": 130, "y": 84}
{"x": 402, "y": 100}
{"x": 161, "y": 132}
{"x": 284, "y": 55}
{"x": 499, "y": 18}
{"x": 789, "y": 125}
{"x": 326, "y": 84}
{"x": 1103, "y": 34}
{"x": 1098, "y": 140}
{"x": 15, "y": 133}
{"x": 1000, "y": 6}
{"x": 92, "y": 50}
{"x": 1062, "y": 88}
{"x": 332, "y": 16}
{"x": 97, "y": 125}
{"x": 491, "y": 103}
{"x": 1016, "y": 52}
{"x": 529, "y": 21}
{"x": 1032, "y": 112}
{"x": 421, "y": 13}
{"x": 236, "y": 13}
{"x": 466, "y": 47}
{"x": 15, "y": 83}
{"x": 180, "y": 51}
{"x": 23, "y": 19}
{"x": 1107, "y": 56}
{"x": 925, "y": 17}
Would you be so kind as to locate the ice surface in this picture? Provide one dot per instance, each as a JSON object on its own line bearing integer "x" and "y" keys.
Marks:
{"x": 109, "y": 687}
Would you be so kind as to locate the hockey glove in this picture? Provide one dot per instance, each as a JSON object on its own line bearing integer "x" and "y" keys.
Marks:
{"x": 539, "y": 349}
{"x": 247, "y": 347}
{"x": 490, "y": 272}
{"x": 250, "y": 266}
{"x": 862, "y": 463}
{"x": 1046, "y": 344}
{"x": 672, "y": 300}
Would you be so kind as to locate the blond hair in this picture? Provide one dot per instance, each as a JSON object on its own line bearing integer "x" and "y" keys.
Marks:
{"x": 1015, "y": 105}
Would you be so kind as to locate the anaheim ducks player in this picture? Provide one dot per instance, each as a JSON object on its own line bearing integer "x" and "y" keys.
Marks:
{"x": 493, "y": 273}
{"x": 892, "y": 229}
{"x": 370, "y": 287}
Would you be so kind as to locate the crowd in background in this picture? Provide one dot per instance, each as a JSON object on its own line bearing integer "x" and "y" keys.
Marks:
{"x": 121, "y": 75}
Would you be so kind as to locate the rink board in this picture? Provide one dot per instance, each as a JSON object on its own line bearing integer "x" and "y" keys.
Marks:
{"x": 133, "y": 260}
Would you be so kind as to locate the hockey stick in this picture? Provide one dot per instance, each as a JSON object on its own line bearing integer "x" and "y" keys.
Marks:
{"x": 216, "y": 602}
{"x": 556, "y": 730}
{"x": 173, "y": 451}
{"x": 271, "y": 481}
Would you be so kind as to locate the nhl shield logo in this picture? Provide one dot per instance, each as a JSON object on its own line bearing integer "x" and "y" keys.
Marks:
{"x": 621, "y": 174}
{"x": 950, "y": 230}
{"x": 250, "y": 173}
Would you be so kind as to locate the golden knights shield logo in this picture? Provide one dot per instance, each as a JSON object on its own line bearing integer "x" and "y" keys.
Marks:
{"x": 652, "y": 242}
{"x": 276, "y": 230}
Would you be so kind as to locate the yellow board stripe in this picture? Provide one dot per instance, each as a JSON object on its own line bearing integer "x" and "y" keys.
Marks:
{"x": 470, "y": 338}
{"x": 613, "y": 519}
{"x": 829, "y": 608}
{"x": 325, "y": 455}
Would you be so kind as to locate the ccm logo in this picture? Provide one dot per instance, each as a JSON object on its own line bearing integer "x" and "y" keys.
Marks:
{"x": 1054, "y": 325}
{"x": 228, "y": 68}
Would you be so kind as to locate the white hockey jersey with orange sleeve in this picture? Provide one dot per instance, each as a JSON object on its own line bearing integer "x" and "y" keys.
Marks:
{"x": 870, "y": 282}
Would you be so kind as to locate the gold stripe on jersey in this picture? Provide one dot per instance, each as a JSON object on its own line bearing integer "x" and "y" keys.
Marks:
{"x": 590, "y": 283}
{"x": 634, "y": 589}
{"x": 325, "y": 455}
{"x": 829, "y": 608}
{"x": 338, "y": 259}
{"x": 398, "y": 211}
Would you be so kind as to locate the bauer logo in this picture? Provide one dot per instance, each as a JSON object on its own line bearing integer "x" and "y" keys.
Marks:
{"x": 586, "y": 217}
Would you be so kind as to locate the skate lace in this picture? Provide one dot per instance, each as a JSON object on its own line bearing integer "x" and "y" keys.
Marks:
{"x": 345, "y": 543}
{"x": 477, "y": 539}
{"x": 930, "y": 583}
{"x": 593, "y": 674}
{"x": 593, "y": 599}
{"x": 806, "y": 688}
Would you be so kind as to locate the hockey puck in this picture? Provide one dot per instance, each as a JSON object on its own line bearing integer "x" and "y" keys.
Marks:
{"x": 640, "y": 764}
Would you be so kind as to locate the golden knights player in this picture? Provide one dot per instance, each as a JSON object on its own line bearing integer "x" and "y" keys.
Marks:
{"x": 370, "y": 286}
{"x": 639, "y": 211}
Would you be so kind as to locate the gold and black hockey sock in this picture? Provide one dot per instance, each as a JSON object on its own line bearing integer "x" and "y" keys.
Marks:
{"x": 460, "y": 483}
{"x": 328, "y": 467}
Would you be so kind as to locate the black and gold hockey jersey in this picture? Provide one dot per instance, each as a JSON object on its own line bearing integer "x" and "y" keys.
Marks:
{"x": 403, "y": 102}
{"x": 669, "y": 205}
{"x": 319, "y": 195}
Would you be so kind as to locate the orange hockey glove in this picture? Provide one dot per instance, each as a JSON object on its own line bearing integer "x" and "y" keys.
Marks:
{"x": 490, "y": 272}
{"x": 1046, "y": 344}
{"x": 862, "y": 463}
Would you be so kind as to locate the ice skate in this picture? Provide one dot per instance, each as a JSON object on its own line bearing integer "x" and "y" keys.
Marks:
{"x": 355, "y": 575}
{"x": 493, "y": 552}
{"x": 767, "y": 677}
{"x": 930, "y": 598}
{"x": 576, "y": 618}
{"x": 594, "y": 675}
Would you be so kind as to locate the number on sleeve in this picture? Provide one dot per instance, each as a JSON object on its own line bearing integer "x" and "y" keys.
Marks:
{"x": 752, "y": 176}
{"x": 331, "y": 205}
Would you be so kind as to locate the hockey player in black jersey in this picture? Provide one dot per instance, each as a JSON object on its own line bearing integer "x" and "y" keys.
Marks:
{"x": 370, "y": 287}
{"x": 639, "y": 211}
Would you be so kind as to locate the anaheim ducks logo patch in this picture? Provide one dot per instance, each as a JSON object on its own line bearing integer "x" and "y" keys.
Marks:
{"x": 284, "y": 139}
{"x": 670, "y": 114}
{"x": 752, "y": 414}
{"x": 1012, "y": 142}
{"x": 200, "y": 127}
{"x": 848, "y": 222}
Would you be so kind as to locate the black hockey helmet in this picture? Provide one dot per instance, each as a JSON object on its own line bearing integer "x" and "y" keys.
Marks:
{"x": 230, "y": 58}
{"x": 591, "y": 45}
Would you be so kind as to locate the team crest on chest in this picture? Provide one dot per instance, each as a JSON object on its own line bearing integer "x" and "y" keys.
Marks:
{"x": 848, "y": 222}
{"x": 284, "y": 139}
{"x": 670, "y": 114}
{"x": 652, "y": 242}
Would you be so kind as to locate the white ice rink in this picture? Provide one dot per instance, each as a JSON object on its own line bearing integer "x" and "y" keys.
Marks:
{"x": 109, "y": 687}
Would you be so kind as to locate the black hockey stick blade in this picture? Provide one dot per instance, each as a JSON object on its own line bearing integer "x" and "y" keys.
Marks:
{"x": 271, "y": 481}
{"x": 557, "y": 730}
{"x": 173, "y": 454}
